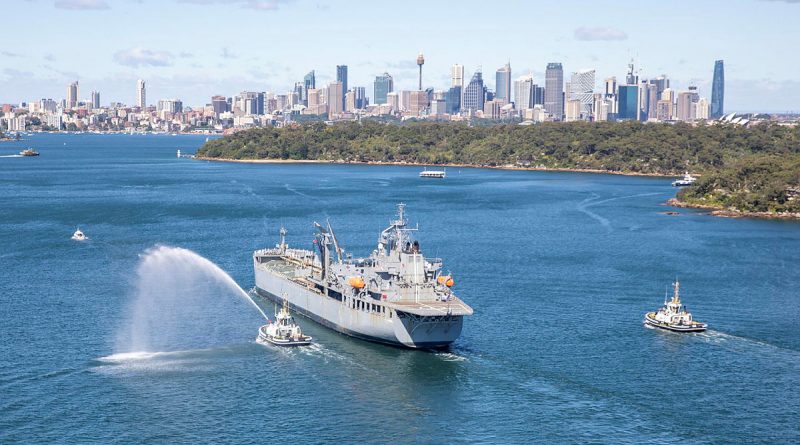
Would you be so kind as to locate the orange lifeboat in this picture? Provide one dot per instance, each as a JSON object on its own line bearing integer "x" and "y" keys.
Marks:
{"x": 356, "y": 282}
{"x": 447, "y": 280}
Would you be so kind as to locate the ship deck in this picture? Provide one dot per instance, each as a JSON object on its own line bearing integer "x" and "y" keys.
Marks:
{"x": 428, "y": 308}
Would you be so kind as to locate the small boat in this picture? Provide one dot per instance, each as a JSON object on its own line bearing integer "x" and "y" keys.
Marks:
{"x": 425, "y": 173}
{"x": 673, "y": 316}
{"x": 79, "y": 236}
{"x": 284, "y": 331}
{"x": 29, "y": 152}
{"x": 686, "y": 181}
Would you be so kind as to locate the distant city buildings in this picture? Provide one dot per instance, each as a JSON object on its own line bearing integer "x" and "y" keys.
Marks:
{"x": 72, "y": 95}
{"x": 718, "y": 90}
{"x": 384, "y": 84}
{"x": 474, "y": 94}
{"x": 554, "y": 91}
{"x": 141, "y": 94}
{"x": 579, "y": 98}
{"x": 502, "y": 89}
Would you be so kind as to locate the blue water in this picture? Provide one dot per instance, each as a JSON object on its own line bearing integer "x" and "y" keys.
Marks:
{"x": 559, "y": 267}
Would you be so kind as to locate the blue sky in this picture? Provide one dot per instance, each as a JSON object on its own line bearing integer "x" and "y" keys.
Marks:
{"x": 193, "y": 49}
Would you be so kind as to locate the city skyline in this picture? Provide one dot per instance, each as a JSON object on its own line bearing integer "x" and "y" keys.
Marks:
{"x": 161, "y": 47}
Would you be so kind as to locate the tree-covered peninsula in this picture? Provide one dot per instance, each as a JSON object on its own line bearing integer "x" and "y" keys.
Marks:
{"x": 747, "y": 169}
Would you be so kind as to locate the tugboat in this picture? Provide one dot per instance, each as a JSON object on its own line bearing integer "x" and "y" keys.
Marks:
{"x": 284, "y": 332}
{"x": 79, "y": 236}
{"x": 685, "y": 182}
{"x": 673, "y": 316}
{"x": 29, "y": 152}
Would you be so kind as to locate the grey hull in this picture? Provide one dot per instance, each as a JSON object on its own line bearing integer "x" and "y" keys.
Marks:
{"x": 388, "y": 326}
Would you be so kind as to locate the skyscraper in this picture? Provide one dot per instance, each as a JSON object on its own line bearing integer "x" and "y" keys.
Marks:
{"x": 523, "y": 93}
{"x": 335, "y": 99}
{"x": 502, "y": 89}
{"x": 384, "y": 84}
{"x": 72, "y": 95}
{"x": 554, "y": 90}
{"x": 95, "y": 100}
{"x": 457, "y": 76}
{"x": 628, "y": 108}
{"x": 341, "y": 76}
{"x": 219, "y": 104}
{"x": 359, "y": 98}
{"x": 141, "y": 94}
{"x": 582, "y": 90}
{"x": 474, "y": 93}
{"x": 718, "y": 90}
{"x": 453, "y": 100}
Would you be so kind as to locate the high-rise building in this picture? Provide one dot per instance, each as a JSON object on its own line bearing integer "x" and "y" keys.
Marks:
{"x": 219, "y": 104}
{"x": 523, "y": 93}
{"x": 141, "y": 94}
{"x": 457, "y": 76}
{"x": 582, "y": 90}
{"x": 502, "y": 89}
{"x": 335, "y": 99}
{"x": 703, "y": 109}
{"x": 538, "y": 95}
{"x": 170, "y": 106}
{"x": 628, "y": 107}
{"x": 95, "y": 100}
{"x": 309, "y": 82}
{"x": 662, "y": 83}
{"x": 341, "y": 76}
{"x": 360, "y": 98}
{"x": 664, "y": 110}
{"x": 554, "y": 90}
{"x": 457, "y": 80}
{"x": 384, "y": 84}
{"x": 718, "y": 90}
{"x": 474, "y": 94}
{"x": 573, "y": 110}
{"x": 611, "y": 86}
{"x": 72, "y": 95}
{"x": 685, "y": 106}
{"x": 452, "y": 100}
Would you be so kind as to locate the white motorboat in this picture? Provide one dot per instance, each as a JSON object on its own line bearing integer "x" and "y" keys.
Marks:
{"x": 79, "y": 236}
{"x": 425, "y": 173}
{"x": 284, "y": 331}
{"x": 686, "y": 181}
{"x": 673, "y": 316}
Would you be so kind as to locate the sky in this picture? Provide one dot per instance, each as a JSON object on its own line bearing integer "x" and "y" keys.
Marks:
{"x": 194, "y": 49}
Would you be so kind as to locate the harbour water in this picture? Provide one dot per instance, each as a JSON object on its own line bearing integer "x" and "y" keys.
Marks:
{"x": 559, "y": 267}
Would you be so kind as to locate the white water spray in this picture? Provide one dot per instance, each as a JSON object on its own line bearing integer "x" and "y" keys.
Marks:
{"x": 183, "y": 301}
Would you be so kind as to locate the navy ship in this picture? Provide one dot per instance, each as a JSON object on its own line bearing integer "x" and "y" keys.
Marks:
{"x": 395, "y": 296}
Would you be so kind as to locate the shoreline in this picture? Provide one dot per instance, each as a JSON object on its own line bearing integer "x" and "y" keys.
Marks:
{"x": 728, "y": 213}
{"x": 451, "y": 165}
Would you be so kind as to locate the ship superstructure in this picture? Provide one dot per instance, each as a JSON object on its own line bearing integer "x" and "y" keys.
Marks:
{"x": 394, "y": 296}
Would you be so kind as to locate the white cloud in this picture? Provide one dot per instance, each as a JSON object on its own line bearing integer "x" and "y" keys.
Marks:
{"x": 599, "y": 33}
{"x": 81, "y": 4}
{"x": 137, "y": 57}
{"x": 262, "y": 5}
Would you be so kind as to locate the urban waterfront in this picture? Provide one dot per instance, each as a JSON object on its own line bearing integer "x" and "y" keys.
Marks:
{"x": 559, "y": 267}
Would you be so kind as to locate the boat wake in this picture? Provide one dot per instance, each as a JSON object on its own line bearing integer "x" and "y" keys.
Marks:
{"x": 738, "y": 342}
{"x": 11, "y": 156}
{"x": 592, "y": 201}
{"x": 192, "y": 360}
